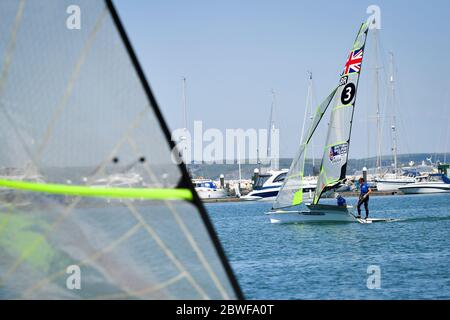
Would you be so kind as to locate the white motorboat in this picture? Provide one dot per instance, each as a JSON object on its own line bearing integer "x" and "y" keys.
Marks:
{"x": 128, "y": 179}
{"x": 432, "y": 183}
{"x": 267, "y": 186}
{"x": 207, "y": 189}
{"x": 118, "y": 180}
{"x": 392, "y": 182}
{"x": 21, "y": 175}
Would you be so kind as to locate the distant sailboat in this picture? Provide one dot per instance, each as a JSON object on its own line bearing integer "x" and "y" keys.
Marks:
{"x": 271, "y": 132}
{"x": 269, "y": 182}
{"x": 333, "y": 168}
{"x": 391, "y": 181}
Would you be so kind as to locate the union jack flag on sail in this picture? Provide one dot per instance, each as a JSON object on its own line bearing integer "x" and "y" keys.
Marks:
{"x": 354, "y": 61}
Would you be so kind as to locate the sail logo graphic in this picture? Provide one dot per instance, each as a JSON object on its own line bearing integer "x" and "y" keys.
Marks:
{"x": 343, "y": 81}
{"x": 338, "y": 153}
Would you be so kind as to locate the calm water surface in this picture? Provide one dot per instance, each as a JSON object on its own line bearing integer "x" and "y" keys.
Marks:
{"x": 330, "y": 261}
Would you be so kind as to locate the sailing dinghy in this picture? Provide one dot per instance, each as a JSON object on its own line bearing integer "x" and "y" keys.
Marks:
{"x": 341, "y": 101}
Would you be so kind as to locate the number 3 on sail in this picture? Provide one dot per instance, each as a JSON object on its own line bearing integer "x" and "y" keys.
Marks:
{"x": 348, "y": 93}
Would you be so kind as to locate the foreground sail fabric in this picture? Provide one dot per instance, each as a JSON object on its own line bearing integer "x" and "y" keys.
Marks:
{"x": 291, "y": 192}
{"x": 334, "y": 160}
{"x": 74, "y": 112}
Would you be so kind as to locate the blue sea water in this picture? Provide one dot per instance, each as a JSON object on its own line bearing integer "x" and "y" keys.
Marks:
{"x": 330, "y": 261}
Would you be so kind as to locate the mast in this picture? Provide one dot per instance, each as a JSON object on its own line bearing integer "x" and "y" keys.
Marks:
{"x": 271, "y": 129}
{"x": 446, "y": 139}
{"x": 311, "y": 102}
{"x": 239, "y": 164}
{"x": 184, "y": 113}
{"x": 258, "y": 161}
{"x": 394, "y": 147}
{"x": 377, "y": 101}
{"x": 394, "y": 120}
{"x": 308, "y": 109}
{"x": 183, "y": 79}
{"x": 305, "y": 116}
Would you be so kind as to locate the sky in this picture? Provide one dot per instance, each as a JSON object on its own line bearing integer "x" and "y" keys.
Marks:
{"x": 233, "y": 53}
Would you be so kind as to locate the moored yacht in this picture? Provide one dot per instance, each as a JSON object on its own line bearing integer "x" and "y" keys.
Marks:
{"x": 207, "y": 189}
{"x": 127, "y": 179}
{"x": 432, "y": 183}
{"x": 392, "y": 181}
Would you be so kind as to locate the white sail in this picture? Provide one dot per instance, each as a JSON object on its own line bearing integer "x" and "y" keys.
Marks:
{"x": 291, "y": 192}
{"x": 111, "y": 207}
{"x": 334, "y": 161}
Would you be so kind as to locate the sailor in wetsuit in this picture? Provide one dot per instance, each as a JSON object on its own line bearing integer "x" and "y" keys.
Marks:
{"x": 341, "y": 202}
{"x": 363, "y": 197}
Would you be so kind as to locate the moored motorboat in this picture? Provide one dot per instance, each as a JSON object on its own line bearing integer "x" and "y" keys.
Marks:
{"x": 267, "y": 186}
{"x": 393, "y": 182}
{"x": 207, "y": 189}
{"x": 432, "y": 183}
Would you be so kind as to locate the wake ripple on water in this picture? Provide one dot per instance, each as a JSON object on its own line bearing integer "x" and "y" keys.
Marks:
{"x": 330, "y": 261}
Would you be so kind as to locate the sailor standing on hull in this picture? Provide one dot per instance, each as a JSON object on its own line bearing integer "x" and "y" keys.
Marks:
{"x": 363, "y": 197}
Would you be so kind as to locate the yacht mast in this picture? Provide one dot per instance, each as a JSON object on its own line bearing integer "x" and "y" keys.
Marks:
{"x": 184, "y": 104}
{"x": 394, "y": 148}
{"x": 377, "y": 100}
{"x": 239, "y": 164}
{"x": 271, "y": 129}
{"x": 185, "y": 133}
{"x": 394, "y": 119}
{"x": 305, "y": 116}
{"x": 311, "y": 95}
{"x": 446, "y": 140}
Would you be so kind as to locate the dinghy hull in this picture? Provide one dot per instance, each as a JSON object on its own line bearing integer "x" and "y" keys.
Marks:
{"x": 317, "y": 213}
